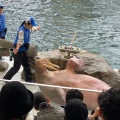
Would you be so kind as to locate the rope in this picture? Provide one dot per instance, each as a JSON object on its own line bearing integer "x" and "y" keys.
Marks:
{"x": 54, "y": 86}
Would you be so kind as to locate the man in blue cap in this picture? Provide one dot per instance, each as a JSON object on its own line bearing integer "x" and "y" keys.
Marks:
{"x": 21, "y": 45}
{"x": 3, "y": 28}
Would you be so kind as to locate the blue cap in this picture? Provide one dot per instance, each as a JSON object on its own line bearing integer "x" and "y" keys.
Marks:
{"x": 1, "y": 6}
{"x": 32, "y": 22}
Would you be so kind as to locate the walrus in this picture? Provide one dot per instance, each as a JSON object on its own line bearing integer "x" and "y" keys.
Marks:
{"x": 69, "y": 78}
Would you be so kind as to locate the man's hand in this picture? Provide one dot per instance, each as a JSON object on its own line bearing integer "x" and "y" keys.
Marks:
{"x": 15, "y": 51}
{"x": 37, "y": 27}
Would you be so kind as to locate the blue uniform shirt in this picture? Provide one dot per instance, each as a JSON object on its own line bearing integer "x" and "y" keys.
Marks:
{"x": 26, "y": 38}
{"x": 2, "y": 25}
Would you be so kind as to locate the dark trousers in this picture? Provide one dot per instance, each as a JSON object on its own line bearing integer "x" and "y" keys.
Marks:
{"x": 21, "y": 58}
{"x": 2, "y": 37}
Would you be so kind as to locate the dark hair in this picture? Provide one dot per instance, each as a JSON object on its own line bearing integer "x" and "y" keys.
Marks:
{"x": 39, "y": 97}
{"x": 24, "y": 23}
{"x": 75, "y": 109}
{"x": 7, "y": 118}
{"x": 109, "y": 103}
{"x": 1, "y": 7}
{"x": 43, "y": 105}
{"x": 74, "y": 93}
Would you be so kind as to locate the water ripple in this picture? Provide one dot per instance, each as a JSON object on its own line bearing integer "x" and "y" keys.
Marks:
{"x": 97, "y": 23}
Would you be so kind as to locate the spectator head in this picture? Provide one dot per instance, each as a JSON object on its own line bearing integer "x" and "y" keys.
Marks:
{"x": 15, "y": 100}
{"x": 75, "y": 109}
{"x": 39, "y": 98}
{"x": 74, "y": 93}
{"x": 109, "y": 103}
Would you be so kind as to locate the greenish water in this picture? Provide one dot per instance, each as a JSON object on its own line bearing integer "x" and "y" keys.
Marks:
{"x": 97, "y": 23}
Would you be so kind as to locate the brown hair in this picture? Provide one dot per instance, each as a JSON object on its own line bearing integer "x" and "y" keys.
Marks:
{"x": 39, "y": 97}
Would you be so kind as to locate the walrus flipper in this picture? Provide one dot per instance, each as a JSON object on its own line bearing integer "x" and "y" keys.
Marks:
{"x": 62, "y": 93}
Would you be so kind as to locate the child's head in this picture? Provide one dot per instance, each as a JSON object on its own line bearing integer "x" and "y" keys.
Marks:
{"x": 39, "y": 98}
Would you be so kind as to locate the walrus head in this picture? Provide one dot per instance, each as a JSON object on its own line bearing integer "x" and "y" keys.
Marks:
{"x": 74, "y": 63}
{"x": 78, "y": 62}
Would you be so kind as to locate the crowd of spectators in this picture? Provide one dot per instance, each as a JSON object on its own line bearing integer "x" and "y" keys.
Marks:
{"x": 16, "y": 101}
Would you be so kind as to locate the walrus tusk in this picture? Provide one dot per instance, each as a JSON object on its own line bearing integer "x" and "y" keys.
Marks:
{"x": 51, "y": 64}
{"x": 50, "y": 67}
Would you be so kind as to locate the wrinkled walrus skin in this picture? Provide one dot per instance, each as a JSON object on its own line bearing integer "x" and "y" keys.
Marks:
{"x": 68, "y": 78}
